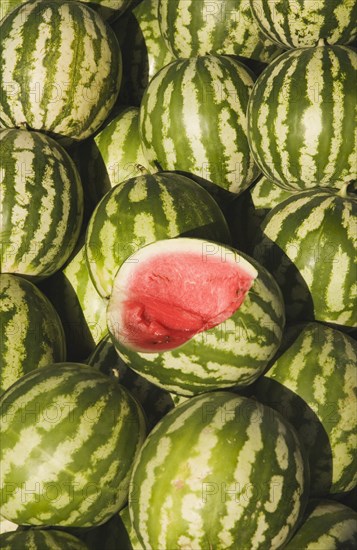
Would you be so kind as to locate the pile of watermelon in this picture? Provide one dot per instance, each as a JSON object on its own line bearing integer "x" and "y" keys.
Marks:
{"x": 178, "y": 290}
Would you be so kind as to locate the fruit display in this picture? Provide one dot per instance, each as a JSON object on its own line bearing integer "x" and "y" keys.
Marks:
{"x": 178, "y": 284}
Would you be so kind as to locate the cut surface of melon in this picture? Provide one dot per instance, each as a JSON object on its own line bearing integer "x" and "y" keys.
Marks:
{"x": 173, "y": 289}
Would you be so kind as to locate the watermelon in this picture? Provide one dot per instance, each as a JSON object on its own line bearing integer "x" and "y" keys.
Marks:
{"x": 142, "y": 210}
{"x": 41, "y": 204}
{"x": 313, "y": 383}
{"x": 69, "y": 437}
{"x": 308, "y": 244}
{"x": 93, "y": 174}
{"x": 81, "y": 309}
{"x": 193, "y": 118}
{"x": 32, "y": 334}
{"x": 302, "y": 118}
{"x": 8, "y": 5}
{"x": 40, "y": 539}
{"x": 191, "y": 315}
{"x": 155, "y": 401}
{"x": 119, "y": 146}
{"x": 198, "y": 27}
{"x": 219, "y": 471}
{"x": 301, "y": 24}
{"x": 144, "y": 50}
{"x": 246, "y": 212}
{"x": 326, "y": 524}
{"x": 60, "y": 66}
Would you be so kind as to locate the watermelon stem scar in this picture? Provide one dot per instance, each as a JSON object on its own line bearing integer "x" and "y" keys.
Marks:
{"x": 173, "y": 291}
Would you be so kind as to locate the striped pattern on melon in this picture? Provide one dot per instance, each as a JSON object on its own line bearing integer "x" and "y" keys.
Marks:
{"x": 198, "y": 27}
{"x": 302, "y": 118}
{"x": 8, "y": 5}
{"x": 193, "y": 118}
{"x": 143, "y": 49}
{"x": 143, "y": 210}
{"x": 120, "y": 149}
{"x": 40, "y": 539}
{"x": 41, "y": 204}
{"x": 219, "y": 471}
{"x": 155, "y": 401}
{"x": 81, "y": 309}
{"x": 309, "y": 243}
{"x": 233, "y": 352}
{"x": 300, "y": 24}
{"x": 326, "y": 524}
{"x": 60, "y": 66}
{"x": 69, "y": 437}
{"x": 312, "y": 382}
{"x": 31, "y": 335}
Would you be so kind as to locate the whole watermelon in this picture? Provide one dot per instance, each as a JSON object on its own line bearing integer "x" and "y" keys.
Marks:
{"x": 69, "y": 436}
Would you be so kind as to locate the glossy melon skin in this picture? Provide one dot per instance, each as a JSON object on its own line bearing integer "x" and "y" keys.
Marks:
{"x": 183, "y": 494}
{"x": 32, "y": 334}
{"x": 312, "y": 382}
{"x": 41, "y": 204}
{"x": 198, "y": 27}
{"x": 326, "y": 524}
{"x": 308, "y": 243}
{"x": 193, "y": 118}
{"x": 302, "y": 24}
{"x": 61, "y": 66}
{"x": 302, "y": 118}
{"x": 76, "y": 433}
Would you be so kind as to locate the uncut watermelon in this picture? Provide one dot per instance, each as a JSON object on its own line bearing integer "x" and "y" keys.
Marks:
{"x": 219, "y": 471}
{"x": 61, "y": 69}
{"x": 41, "y": 204}
{"x": 31, "y": 334}
{"x": 69, "y": 435}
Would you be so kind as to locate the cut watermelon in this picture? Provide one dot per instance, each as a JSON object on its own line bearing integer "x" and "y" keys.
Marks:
{"x": 171, "y": 290}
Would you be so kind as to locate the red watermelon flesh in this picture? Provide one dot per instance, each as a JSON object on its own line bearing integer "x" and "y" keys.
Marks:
{"x": 164, "y": 297}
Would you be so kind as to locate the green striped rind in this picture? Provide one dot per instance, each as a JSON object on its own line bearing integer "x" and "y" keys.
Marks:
{"x": 155, "y": 401}
{"x": 145, "y": 209}
{"x": 31, "y": 332}
{"x": 313, "y": 384}
{"x": 143, "y": 48}
{"x": 8, "y": 5}
{"x": 60, "y": 66}
{"x": 133, "y": 541}
{"x": 41, "y": 204}
{"x": 233, "y": 353}
{"x": 309, "y": 245}
{"x": 219, "y": 471}
{"x": 299, "y": 24}
{"x": 326, "y": 524}
{"x": 246, "y": 212}
{"x": 302, "y": 118}
{"x": 81, "y": 309}
{"x": 266, "y": 194}
{"x": 120, "y": 149}
{"x": 93, "y": 174}
{"x": 40, "y": 539}
{"x": 193, "y": 118}
{"x": 198, "y": 27}
{"x": 69, "y": 437}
